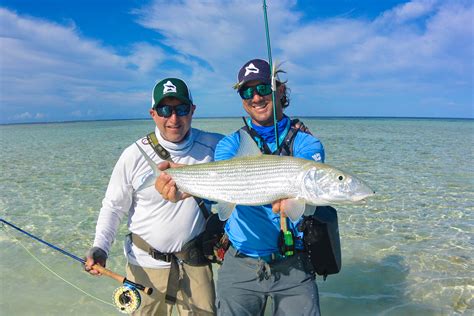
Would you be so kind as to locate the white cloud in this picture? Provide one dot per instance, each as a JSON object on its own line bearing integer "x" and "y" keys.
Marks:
{"x": 52, "y": 67}
{"x": 27, "y": 116}
{"x": 416, "y": 47}
{"x": 408, "y": 11}
{"x": 216, "y": 34}
{"x": 146, "y": 57}
{"x": 416, "y": 50}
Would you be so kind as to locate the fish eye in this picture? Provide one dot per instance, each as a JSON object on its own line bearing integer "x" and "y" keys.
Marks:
{"x": 340, "y": 178}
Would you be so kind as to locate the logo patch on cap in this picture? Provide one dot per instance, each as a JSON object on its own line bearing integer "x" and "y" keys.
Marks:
{"x": 251, "y": 69}
{"x": 169, "y": 87}
{"x": 317, "y": 157}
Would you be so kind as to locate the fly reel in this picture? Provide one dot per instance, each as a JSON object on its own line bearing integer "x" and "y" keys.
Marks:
{"x": 127, "y": 299}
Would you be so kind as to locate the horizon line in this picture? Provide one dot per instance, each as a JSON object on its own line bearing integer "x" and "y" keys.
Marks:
{"x": 231, "y": 117}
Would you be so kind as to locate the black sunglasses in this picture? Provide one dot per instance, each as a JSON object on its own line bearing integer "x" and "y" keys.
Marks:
{"x": 261, "y": 89}
{"x": 167, "y": 110}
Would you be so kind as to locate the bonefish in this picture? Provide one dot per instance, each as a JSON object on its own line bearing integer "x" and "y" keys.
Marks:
{"x": 252, "y": 178}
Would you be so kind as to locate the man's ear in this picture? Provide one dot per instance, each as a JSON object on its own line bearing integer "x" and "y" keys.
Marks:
{"x": 281, "y": 89}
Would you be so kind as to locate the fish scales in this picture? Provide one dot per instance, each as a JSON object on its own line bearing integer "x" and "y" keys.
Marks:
{"x": 246, "y": 181}
{"x": 255, "y": 179}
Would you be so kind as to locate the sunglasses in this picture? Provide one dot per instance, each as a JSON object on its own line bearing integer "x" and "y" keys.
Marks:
{"x": 261, "y": 89}
{"x": 167, "y": 110}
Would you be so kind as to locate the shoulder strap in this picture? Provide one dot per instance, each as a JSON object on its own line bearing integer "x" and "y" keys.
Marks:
{"x": 286, "y": 147}
{"x": 165, "y": 155}
{"x": 160, "y": 150}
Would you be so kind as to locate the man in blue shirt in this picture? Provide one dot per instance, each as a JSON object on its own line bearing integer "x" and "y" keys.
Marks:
{"x": 254, "y": 267}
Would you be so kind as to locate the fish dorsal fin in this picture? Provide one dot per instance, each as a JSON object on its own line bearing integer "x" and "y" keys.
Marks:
{"x": 151, "y": 163}
{"x": 156, "y": 172}
{"x": 247, "y": 147}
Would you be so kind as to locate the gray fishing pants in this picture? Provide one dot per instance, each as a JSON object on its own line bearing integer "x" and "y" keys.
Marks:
{"x": 244, "y": 284}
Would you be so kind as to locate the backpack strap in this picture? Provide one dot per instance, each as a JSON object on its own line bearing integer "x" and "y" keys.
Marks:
{"x": 286, "y": 147}
{"x": 262, "y": 144}
{"x": 159, "y": 150}
{"x": 165, "y": 155}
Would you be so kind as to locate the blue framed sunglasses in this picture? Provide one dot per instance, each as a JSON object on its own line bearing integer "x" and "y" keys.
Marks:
{"x": 261, "y": 89}
{"x": 167, "y": 110}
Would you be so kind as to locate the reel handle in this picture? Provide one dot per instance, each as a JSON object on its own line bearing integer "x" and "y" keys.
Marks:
{"x": 121, "y": 279}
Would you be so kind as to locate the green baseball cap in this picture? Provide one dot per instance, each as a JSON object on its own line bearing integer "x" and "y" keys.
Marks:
{"x": 171, "y": 87}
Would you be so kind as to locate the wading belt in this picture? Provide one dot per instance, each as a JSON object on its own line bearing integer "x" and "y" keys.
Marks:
{"x": 189, "y": 254}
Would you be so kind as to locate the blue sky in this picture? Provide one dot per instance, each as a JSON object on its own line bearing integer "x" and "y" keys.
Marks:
{"x": 87, "y": 60}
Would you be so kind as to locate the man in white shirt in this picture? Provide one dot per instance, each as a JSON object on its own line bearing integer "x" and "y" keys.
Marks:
{"x": 161, "y": 250}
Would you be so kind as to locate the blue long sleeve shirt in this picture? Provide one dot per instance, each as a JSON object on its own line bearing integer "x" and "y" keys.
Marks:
{"x": 254, "y": 230}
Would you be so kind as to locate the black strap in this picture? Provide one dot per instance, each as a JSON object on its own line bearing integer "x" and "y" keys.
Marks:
{"x": 165, "y": 155}
{"x": 286, "y": 147}
{"x": 173, "y": 283}
{"x": 265, "y": 149}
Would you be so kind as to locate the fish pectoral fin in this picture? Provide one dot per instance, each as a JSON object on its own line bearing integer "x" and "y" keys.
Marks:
{"x": 224, "y": 210}
{"x": 309, "y": 210}
{"x": 293, "y": 208}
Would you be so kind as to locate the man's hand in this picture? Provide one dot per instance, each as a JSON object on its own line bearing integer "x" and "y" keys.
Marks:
{"x": 166, "y": 186}
{"x": 95, "y": 255}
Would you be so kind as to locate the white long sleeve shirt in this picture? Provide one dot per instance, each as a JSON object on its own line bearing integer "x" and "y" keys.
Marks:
{"x": 163, "y": 225}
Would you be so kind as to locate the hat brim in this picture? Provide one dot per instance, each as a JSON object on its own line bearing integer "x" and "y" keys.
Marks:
{"x": 174, "y": 95}
{"x": 241, "y": 84}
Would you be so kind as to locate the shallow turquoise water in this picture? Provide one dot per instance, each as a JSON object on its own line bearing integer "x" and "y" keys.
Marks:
{"x": 408, "y": 251}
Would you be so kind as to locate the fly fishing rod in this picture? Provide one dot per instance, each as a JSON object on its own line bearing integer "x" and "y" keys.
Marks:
{"x": 126, "y": 298}
{"x": 272, "y": 71}
{"x": 286, "y": 236}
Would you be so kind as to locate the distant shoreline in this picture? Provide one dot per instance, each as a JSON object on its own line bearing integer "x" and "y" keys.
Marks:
{"x": 238, "y": 117}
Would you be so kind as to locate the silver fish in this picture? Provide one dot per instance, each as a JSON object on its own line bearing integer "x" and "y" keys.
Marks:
{"x": 251, "y": 178}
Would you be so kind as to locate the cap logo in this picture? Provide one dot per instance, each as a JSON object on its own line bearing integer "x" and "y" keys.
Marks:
{"x": 251, "y": 69}
{"x": 169, "y": 87}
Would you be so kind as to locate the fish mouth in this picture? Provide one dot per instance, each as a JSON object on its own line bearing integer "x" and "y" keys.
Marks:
{"x": 363, "y": 195}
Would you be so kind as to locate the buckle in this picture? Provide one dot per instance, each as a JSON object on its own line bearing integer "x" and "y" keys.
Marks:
{"x": 155, "y": 254}
{"x": 272, "y": 258}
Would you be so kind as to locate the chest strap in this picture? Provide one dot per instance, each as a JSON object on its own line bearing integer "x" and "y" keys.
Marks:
{"x": 286, "y": 146}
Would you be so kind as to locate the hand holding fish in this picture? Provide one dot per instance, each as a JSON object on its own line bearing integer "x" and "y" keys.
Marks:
{"x": 276, "y": 206}
{"x": 165, "y": 185}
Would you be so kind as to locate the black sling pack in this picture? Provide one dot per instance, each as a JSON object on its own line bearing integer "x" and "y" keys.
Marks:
{"x": 210, "y": 241}
{"x": 321, "y": 240}
{"x": 321, "y": 230}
